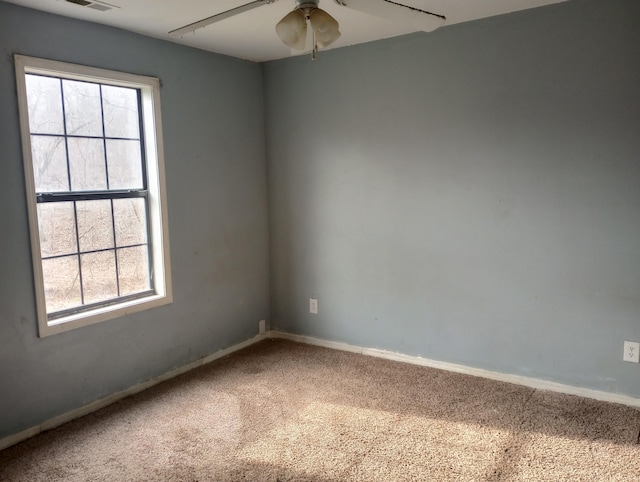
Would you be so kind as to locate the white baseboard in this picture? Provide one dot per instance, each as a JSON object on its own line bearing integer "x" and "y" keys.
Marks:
{"x": 103, "y": 402}
{"x": 452, "y": 367}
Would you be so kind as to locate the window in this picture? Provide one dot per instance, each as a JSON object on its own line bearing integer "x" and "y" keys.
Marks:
{"x": 94, "y": 174}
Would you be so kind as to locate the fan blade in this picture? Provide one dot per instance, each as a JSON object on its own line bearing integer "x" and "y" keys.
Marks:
{"x": 388, "y": 9}
{"x": 325, "y": 27}
{"x": 292, "y": 30}
{"x": 219, "y": 16}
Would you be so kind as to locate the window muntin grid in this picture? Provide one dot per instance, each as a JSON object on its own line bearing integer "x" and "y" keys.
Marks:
{"x": 91, "y": 192}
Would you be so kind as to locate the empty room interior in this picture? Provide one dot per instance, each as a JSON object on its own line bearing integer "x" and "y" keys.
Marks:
{"x": 416, "y": 257}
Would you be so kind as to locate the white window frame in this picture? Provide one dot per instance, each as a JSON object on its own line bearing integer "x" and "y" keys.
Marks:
{"x": 157, "y": 222}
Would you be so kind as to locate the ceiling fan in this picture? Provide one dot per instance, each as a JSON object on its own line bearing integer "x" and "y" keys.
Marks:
{"x": 308, "y": 26}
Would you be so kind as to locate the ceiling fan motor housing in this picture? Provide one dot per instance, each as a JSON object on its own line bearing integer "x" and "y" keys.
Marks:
{"x": 302, "y": 4}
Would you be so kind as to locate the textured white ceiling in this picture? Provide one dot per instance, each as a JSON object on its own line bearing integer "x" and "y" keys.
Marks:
{"x": 251, "y": 35}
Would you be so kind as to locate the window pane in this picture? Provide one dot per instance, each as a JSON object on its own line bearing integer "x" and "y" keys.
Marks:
{"x": 57, "y": 228}
{"x": 125, "y": 164}
{"x": 86, "y": 162}
{"x": 61, "y": 283}
{"x": 82, "y": 108}
{"x": 95, "y": 228}
{"x": 120, "y": 112}
{"x": 130, "y": 218}
{"x": 49, "y": 157}
{"x": 99, "y": 276}
{"x": 133, "y": 270}
{"x": 45, "y": 105}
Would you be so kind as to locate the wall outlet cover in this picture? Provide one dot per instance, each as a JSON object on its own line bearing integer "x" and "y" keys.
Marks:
{"x": 631, "y": 352}
{"x": 262, "y": 326}
{"x": 313, "y": 306}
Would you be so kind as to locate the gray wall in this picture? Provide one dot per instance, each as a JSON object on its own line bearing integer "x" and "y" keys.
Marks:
{"x": 216, "y": 182}
{"x": 470, "y": 195}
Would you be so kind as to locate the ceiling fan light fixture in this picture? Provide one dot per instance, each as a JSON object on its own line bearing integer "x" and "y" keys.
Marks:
{"x": 325, "y": 27}
{"x": 310, "y": 27}
{"x": 292, "y": 30}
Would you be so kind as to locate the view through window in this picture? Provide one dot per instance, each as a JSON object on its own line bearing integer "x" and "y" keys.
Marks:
{"x": 88, "y": 169}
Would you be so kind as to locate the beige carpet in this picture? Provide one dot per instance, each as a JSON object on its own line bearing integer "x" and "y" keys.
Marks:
{"x": 282, "y": 411}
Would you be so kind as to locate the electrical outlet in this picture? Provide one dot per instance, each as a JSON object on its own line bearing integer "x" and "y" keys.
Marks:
{"x": 313, "y": 306}
{"x": 262, "y": 326}
{"x": 631, "y": 352}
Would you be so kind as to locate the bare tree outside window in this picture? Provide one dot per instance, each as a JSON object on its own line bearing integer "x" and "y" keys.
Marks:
{"x": 88, "y": 164}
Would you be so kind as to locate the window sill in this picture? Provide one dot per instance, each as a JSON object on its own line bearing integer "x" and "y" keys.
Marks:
{"x": 78, "y": 320}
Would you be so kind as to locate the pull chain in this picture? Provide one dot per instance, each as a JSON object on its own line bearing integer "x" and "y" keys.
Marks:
{"x": 314, "y": 51}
